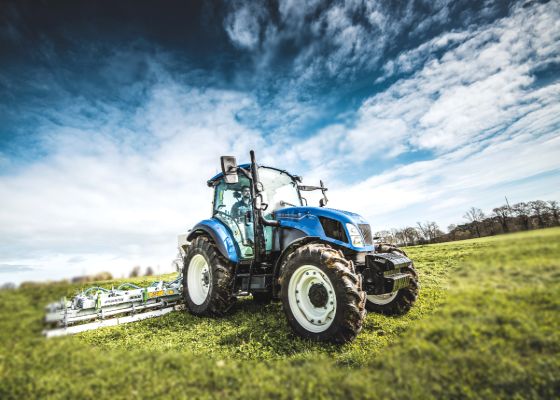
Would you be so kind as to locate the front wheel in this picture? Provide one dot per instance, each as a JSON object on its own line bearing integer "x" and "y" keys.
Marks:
{"x": 322, "y": 294}
{"x": 207, "y": 278}
{"x": 398, "y": 302}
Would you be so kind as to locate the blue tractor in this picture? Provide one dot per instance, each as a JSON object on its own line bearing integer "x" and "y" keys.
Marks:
{"x": 321, "y": 263}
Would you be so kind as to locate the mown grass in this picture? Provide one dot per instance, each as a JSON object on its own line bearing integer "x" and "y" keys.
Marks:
{"x": 485, "y": 326}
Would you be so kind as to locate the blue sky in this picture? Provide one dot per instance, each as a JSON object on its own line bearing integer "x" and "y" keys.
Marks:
{"x": 114, "y": 114}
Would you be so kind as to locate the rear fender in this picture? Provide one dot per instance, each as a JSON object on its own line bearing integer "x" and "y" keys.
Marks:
{"x": 219, "y": 234}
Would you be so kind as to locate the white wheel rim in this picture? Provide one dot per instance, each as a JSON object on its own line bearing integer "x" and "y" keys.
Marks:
{"x": 312, "y": 318}
{"x": 382, "y": 299}
{"x": 199, "y": 279}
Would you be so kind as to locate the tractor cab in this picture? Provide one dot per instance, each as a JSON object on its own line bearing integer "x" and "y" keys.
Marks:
{"x": 234, "y": 201}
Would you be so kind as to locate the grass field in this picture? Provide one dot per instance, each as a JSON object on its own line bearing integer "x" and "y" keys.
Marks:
{"x": 486, "y": 325}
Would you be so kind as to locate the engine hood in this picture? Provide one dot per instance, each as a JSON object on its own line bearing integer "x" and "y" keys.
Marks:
{"x": 339, "y": 215}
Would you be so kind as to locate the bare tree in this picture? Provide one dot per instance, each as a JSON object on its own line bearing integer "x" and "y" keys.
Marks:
{"x": 406, "y": 236}
{"x": 502, "y": 214}
{"x": 489, "y": 224}
{"x": 423, "y": 230}
{"x": 400, "y": 237}
{"x": 149, "y": 271}
{"x": 539, "y": 209}
{"x": 523, "y": 212}
{"x": 553, "y": 206}
{"x": 475, "y": 216}
{"x": 410, "y": 234}
{"x": 429, "y": 230}
{"x": 434, "y": 230}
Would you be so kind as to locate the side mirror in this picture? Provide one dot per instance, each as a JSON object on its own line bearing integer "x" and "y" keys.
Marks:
{"x": 229, "y": 169}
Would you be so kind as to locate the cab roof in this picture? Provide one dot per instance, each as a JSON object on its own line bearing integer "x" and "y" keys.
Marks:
{"x": 247, "y": 167}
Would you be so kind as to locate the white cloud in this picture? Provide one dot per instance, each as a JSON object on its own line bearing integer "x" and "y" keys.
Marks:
{"x": 473, "y": 91}
{"x": 477, "y": 106}
{"x": 441, "y": 189}
{"x": 115, "y": 197}
{"x": 243, "y": 25}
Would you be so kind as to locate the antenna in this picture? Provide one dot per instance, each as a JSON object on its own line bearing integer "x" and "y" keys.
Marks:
{"x": 507, "y": 202}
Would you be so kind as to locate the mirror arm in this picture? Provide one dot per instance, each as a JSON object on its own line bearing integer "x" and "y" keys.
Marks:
{"x": 323, "y": 202}
{"x": 245, "y": 172}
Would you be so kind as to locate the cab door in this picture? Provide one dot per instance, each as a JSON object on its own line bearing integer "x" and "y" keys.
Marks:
{"x": 231, "y": 209}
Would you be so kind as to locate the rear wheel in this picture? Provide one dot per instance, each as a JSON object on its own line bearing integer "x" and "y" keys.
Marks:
{"x": 322, "y": 294}
{"x": 207, "y": 278}
{"x": 398, "y": 302}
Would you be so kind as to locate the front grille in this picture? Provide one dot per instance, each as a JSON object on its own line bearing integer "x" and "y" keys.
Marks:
{"x": 366, "y": 233}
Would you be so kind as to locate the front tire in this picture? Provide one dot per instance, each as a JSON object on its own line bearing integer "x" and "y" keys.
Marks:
{"x": 322, "y": 294}
{"x": 207, "y": 278}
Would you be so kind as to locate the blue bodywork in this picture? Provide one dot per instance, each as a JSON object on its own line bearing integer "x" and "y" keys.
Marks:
{"x": 304, "y": 219}
{"x": 221, "y": 236}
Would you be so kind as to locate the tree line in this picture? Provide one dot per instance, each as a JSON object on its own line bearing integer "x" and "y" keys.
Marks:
{"x": 521, "y": 216}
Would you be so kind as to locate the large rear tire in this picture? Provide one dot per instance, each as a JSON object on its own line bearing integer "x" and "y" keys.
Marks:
{"x": 400, "y": 301}
{"x": 207, "y": 278}
{"x": 322, "y": 294}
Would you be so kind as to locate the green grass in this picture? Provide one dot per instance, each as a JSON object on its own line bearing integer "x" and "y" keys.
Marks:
{"x": 486, "y": 325}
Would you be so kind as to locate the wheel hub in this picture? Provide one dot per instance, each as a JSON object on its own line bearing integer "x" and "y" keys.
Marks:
{"x": 318, "y": 295}
{"x": 205, "y": 278}
{"x": 312, "y": 298}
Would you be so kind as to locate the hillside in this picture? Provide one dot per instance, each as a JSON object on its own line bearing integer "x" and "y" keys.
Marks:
{"x": 485, "y": 326}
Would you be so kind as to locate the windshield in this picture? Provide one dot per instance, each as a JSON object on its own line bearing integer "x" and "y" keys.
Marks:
{"x": 280, "y": 190}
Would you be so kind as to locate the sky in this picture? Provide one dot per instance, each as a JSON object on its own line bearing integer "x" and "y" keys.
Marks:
{"x": 113, "y": 114}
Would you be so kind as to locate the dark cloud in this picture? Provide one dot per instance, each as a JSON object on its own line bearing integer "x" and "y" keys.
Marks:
{"x": 323, "y": 55}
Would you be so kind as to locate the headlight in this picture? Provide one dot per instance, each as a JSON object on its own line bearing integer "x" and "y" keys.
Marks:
{"x": 355, "y": 236}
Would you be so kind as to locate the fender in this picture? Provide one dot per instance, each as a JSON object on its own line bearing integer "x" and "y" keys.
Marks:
{"x": 219, "y": 234}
